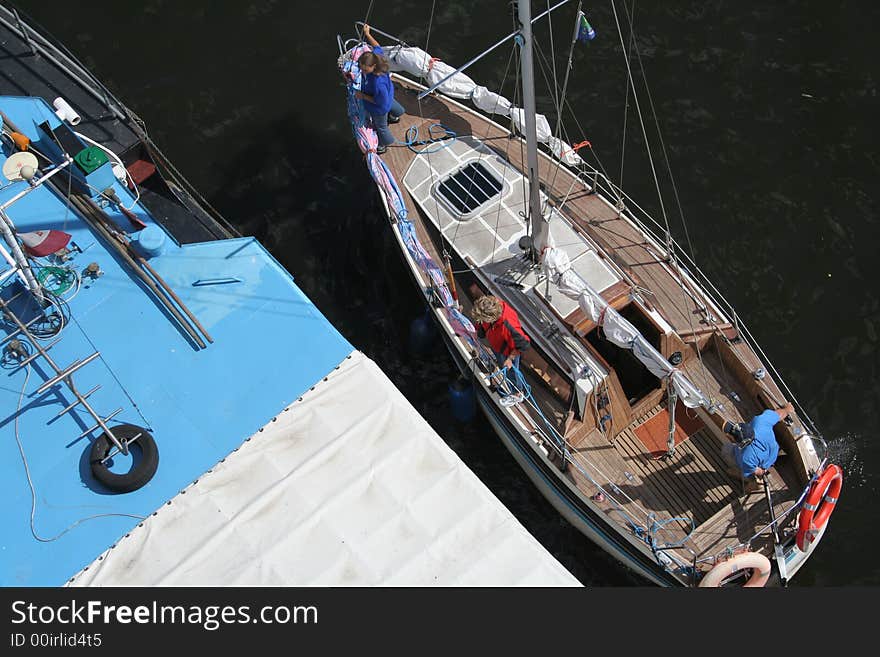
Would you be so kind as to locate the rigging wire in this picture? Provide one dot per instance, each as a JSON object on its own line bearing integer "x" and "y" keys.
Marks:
{"x": 553, "y": 55}
{"x": 445, "y": 254}
{"x": 691, "y": 251}
{"x": 670, "y": 243}
{"x": 632, "y": 36}
{"x": 483, "y": 151}
{"x": 542, "y": 60}
{"x": 367, "y": 19}
{"x": 642, "y": 124}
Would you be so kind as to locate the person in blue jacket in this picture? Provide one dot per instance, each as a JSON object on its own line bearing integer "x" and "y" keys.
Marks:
{"x": 377, "y": 92}
{"x": 755, "y": 449}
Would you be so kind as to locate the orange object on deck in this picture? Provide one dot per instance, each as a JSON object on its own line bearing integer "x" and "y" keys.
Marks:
{"x": 654, "y": 433}
{"x": 20, "y": 140}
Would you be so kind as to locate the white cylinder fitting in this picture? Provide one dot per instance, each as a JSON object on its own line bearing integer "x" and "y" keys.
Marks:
{"x": 65, "y": 112}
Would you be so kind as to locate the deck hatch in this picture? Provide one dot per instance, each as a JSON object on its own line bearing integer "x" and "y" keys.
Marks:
{"x": 469, "y": 188}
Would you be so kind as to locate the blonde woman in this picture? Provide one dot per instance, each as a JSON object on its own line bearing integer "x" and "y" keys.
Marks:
{"x": 499, "y": 324}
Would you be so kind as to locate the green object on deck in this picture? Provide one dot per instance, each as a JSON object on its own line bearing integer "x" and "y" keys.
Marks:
{"x": 89, "y": 159}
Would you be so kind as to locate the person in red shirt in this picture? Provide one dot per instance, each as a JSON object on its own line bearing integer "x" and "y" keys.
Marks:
{"x": 499, "y": 324}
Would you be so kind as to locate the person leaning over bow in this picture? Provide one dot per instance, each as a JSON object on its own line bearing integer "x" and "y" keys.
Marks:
{"x": 499, "y": 324}
{"x": 377, "y": 92}
{"x": 756, "y": 449}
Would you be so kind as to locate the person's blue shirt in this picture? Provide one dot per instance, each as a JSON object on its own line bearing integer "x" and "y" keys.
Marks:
{"x": 763, "y": 450}
{"x": 380, "y": 88}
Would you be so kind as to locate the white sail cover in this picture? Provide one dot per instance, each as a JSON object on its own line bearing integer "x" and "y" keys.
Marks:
{"x": 419, "y": 63}
{"x": 542, "y": 126}
{"x": 564, "y": 152}
{"x": 349, "y": 486}
{"x": 616, "y": 328}
{"x": 489, "y": 101}
{"x": 411, "y": 60}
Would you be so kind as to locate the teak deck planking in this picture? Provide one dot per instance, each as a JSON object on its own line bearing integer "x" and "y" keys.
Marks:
{"x": 692, "y": 486}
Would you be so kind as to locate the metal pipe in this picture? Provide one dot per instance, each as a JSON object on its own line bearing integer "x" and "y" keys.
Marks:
{"x": 67, "y": 379}
{"x": 540, "y": 229}
{"x": 73, "y": 367}
{"x": 777, "y": 545}
{"x": 89, "y": 212}
{"x": 122, "y": 239}
{"x": 174, "y": 296}
{"x": 44, "y": 178}
{"x": 21, "y": 262}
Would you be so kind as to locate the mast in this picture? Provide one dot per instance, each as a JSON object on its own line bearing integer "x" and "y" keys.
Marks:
{"x": 539, "y": 228}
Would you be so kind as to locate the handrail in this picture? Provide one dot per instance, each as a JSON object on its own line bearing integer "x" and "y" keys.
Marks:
{"x": 57, "y": 54}
{"x": 358, "y": 26}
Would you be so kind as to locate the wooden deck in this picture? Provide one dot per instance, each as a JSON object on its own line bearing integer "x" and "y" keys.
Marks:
{"x": 692, "y": 486}
{"x": 692, "y": 489}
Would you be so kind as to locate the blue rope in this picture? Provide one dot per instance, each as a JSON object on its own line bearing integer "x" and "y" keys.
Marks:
{"x": 412, "y": 138}
{"x": 659, "y": 524}
{"x": 519, "y": 383}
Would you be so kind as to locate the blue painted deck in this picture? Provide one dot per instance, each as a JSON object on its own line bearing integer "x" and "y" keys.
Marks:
{"x": 270, "y": 345}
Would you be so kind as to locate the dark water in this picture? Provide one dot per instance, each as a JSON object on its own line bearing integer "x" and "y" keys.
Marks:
{"x": 767, "y": 111}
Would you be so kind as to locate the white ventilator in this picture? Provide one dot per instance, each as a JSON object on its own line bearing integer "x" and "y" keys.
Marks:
{"x": 65, "y": 112}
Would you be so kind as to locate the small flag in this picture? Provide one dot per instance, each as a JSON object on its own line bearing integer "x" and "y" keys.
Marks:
{"x": 43, "y": 242}
{"x": 585, "y": 30}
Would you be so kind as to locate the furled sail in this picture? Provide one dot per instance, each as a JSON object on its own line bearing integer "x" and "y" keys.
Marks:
{"x": 417, "y": 62}
{"x": 617, "y": 329}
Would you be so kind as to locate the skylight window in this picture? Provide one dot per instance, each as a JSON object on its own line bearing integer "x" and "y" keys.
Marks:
{"x": 469, "y": 187}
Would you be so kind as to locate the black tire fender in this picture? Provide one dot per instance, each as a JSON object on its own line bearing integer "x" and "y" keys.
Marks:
{"x": 144, "y": 453}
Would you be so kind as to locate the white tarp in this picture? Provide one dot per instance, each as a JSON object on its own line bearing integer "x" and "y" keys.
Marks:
{"x": 617, "y": 329}
{"x": 349, "y": 486}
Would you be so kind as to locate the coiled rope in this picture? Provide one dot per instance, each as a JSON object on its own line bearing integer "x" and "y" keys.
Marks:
{"x": 444, "y": 140}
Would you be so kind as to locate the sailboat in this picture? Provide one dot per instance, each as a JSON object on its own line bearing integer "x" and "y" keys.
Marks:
{"x": 639, "y": 376}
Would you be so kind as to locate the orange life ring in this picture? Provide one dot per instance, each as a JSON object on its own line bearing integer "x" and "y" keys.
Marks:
{"x": 818, "y": 506}
{"x": 754, "y": 561}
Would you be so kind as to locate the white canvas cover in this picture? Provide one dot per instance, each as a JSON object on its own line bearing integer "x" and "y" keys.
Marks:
{"x": 349, "y": 486}
{"x": 542, "y": 126}
{"x": 458, "y": 86}
{"x": 564, "y": 152}
{"x": 410, "y": 60}
{"x": 489, "y": 101}
{"x": 420, "y": 64}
